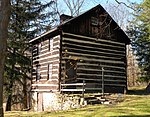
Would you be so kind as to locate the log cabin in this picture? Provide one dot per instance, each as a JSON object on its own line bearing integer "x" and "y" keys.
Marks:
{"x": 89, "y": 48}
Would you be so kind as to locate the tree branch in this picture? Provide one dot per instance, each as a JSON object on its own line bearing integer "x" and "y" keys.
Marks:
{"x": 125, "y": 4}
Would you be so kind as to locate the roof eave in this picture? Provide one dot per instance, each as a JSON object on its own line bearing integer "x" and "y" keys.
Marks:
{"x": 42, "y": 35}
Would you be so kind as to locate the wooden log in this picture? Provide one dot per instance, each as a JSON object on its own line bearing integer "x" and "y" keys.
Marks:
{"x": 98, "y": 70}
{"x": 94, "y": 39}
{"x": 97, "y": 65}
{"x": 88, "y": 79}
{"x": 92, "y": 89}
{"x": 69, "y": 90}
{"x": 99, "y": 75}
{"x": 90, "y": 55}
{"x": 86, "y": 74}
{"x": 92, "y": 43}
{"x": 120, "y": 85}
{"x": 121, "y": 54}
{"x": 74, "y": 84}
{"x": 95, "y": 60}
{"x": 100, "y": 80}
{"x": 90, "y": 47}
{"x": 44, "y": 90}
{"x": 83, "y": 64}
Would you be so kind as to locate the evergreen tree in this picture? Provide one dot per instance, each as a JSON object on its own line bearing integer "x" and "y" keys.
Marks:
{"x": 28, "y": 18}
{"x": 139, "y": 31}
{"x": 4, "y": 20}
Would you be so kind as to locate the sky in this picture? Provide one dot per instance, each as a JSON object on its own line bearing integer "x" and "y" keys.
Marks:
{"x": 108, "y": 5}
{"x": 88, "y": 4}
{"x": 91, "y": 3}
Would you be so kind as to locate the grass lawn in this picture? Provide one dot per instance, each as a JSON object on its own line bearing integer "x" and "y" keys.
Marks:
{"x": 136, "y": 103}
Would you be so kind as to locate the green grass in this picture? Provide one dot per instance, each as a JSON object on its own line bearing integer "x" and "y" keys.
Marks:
{"x": 134, "y": 104}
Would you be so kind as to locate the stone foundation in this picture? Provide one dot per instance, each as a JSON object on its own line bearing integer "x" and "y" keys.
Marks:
{"x": 47, "y": 101}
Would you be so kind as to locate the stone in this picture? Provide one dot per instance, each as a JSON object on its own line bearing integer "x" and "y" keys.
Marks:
{"x": 107, "y": 102}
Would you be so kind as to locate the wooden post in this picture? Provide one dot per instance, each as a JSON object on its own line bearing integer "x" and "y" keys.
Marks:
{"x": 83, "y": 88}
{"x": 60, "y": 86}
{"x": 102, "y": 81}
{"x": 61, "y": 94}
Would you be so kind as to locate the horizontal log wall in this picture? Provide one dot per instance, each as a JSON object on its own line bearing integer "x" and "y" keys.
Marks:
{"x": 49, "y": 54}
{"x": 91, "y": 55}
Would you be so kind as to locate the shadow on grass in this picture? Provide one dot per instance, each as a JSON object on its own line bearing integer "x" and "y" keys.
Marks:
{"x": 133, "y": 116}
{"x": 138, "y": 92}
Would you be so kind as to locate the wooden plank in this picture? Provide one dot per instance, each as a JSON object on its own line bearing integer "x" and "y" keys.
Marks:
{"x": 101, "y": 50}
{"x": 89, "y": 55}
{"x": 44, "y": 85}
{"x": 43, "y": 90}
{"x": 88, "y": 79}
{"x": 99, "y": 80}
{"x": 47, "y": 54}
{"x": 94, "y": 52}
{"x": 85, "y": 37}
{"x": 74, "y": 84}
{"x": 120, "y": 85}
{"x": 85, "y": 74}
{"x": 71, "y": 45}
{"x": 93, "y": 65}
{"x": 98, "y": 70}
{"x": 95, "y": 60}
{"x": 91, "y": 43}
{"x": 107, "y": 66}
{"x": 110, "y": 76}
{"x": 109, "y": 80}
{"x": 72, "y": 89}
{"x": 92, "y": 89}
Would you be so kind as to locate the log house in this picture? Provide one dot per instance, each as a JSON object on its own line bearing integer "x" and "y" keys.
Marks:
{"x": 78, "y": 50}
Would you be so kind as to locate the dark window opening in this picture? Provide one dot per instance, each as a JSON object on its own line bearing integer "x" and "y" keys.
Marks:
{"x": 38, "y": 72}
{"x": 49, "y": 71}
{"x": 71, "y": 68}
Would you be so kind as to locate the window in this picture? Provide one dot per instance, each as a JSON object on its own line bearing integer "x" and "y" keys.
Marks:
{"x": 51, "y": 44}
{"x": 71, "y": 67}
{"x": 49, "y": 71}
{"x": 39, "y": 48}
{"x": 94, "y": 21}
{"x": 38, "y": 72}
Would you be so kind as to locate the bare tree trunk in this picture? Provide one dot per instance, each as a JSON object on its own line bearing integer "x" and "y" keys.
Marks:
{"x": 4, "y": 20}
{"x": 74, "y": 6}
{"x": 25, "y": 93}
{"x": 9, "y": 99}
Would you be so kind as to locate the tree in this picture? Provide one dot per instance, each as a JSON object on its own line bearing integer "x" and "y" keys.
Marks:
{"x": 139, "y": 31}
{"x": 4, "y": 20}
{"x": 74, "y": 6}
{"x": 119, "y": 13}
{"x": 28, "y": 19}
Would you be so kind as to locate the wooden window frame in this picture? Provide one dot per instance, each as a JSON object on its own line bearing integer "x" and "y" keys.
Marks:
{"x": 50, "y": 44}
{"x": 94, "y": 21}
